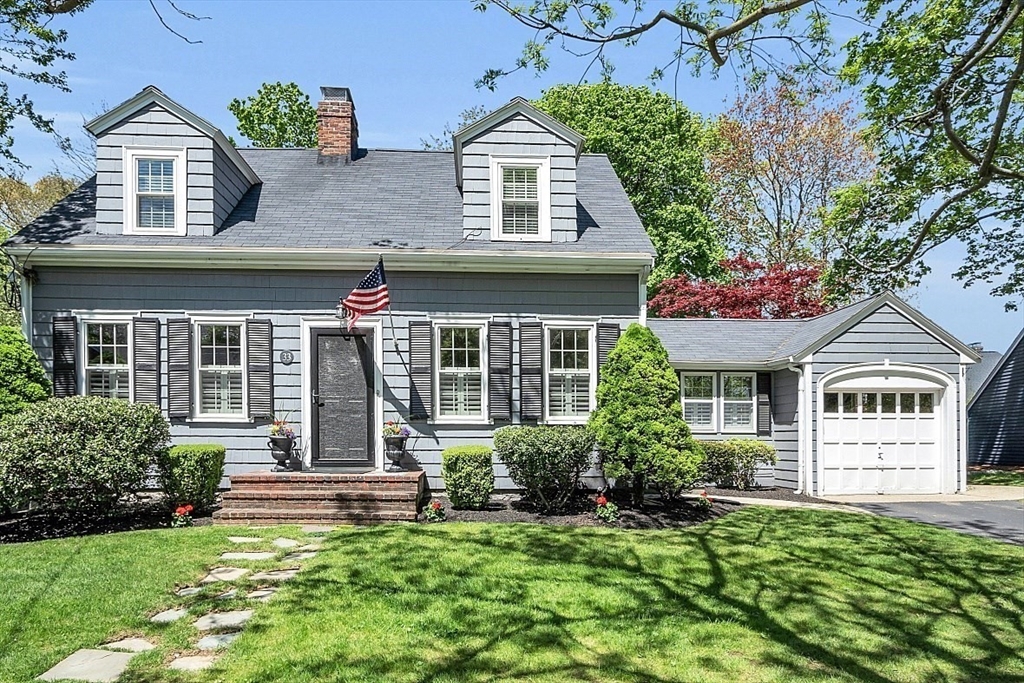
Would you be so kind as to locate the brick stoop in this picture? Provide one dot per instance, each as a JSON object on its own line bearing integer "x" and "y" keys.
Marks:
{"x": 319, "y": 498}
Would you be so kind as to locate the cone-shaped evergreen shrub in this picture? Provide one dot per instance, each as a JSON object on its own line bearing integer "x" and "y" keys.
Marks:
{"x": 22, "y": 378}
{"x": 641, "y": 436}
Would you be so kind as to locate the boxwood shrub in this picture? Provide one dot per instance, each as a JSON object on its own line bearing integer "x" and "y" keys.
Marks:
{"x": 547, "y": 463}
{"x": 82, "y": 454}
{"x": 191, "y": 473}
{"x": 22, "y": 378}
{"x": 734, "y": 463}
{"x": 468, "y": 476}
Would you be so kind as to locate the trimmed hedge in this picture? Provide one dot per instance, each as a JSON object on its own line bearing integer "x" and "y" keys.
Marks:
{"x": 191, "y": 473}
{"x": 468, "y": 473}
{"x": 547, "y": 463}
{"x": 734, "y": 463}
{"x": 84, "y": 454}
{"x": 22, "y": 378}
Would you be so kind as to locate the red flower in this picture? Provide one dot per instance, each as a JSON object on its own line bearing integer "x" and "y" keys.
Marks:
{"x": 602, "y": 501}
{"x": 181, "y": 511}
{"x": 435, "y": 505}
{"x": 188, "y": 508}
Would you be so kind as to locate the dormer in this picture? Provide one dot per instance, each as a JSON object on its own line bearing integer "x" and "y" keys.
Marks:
{"x": 516, "y": 168}
{"x": 162, "y": 170}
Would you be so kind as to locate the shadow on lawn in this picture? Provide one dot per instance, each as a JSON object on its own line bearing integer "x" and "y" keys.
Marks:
{"x": 825, "y": 600}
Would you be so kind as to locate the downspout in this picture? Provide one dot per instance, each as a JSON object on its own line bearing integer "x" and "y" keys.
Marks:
{"x": 800, "y": 445}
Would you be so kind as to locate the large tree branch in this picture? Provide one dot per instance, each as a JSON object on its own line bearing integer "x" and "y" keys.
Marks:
{"x": 1002, "y": 111}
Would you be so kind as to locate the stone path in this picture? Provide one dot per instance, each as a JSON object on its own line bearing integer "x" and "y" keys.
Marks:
{"x": 220, "y": 629}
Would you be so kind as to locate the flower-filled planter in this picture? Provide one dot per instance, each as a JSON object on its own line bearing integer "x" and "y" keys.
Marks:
{"x": 281, "y": 442}
{"x": 396, "y": 437}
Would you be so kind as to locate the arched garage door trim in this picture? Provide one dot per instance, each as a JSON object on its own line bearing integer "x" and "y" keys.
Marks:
{"x": 895, "y": 375}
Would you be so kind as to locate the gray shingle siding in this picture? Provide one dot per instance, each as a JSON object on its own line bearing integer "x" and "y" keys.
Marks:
{"x": 785, "y": 427}
{"x": 229, "y": 186}
{"x": 995, "y": 417}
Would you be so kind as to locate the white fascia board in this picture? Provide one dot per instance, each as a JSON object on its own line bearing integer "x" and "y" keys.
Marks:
{"x": 766, "y": 366}
{"x": 275, "y": 258}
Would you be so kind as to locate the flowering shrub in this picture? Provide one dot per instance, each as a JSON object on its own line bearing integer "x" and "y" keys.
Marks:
{"x": 392, "y": 428}
{"x": 182, "y": 516}
{"x": 434, "y": 512}
{"x": 704, "y": 501}
{"x": 606, "y": 510}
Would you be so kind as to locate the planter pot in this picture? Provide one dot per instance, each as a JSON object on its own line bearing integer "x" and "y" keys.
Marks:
{"x": 281, "y": 450}
{"x": 394, "y": 449}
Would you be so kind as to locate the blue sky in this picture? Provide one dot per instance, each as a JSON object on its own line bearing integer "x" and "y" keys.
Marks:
{"x": 411, "y": 68}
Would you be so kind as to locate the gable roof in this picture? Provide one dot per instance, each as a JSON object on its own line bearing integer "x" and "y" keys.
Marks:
{"x": 517, "y": 106}
{"x": 997, "y": 368}
{"x": 725, "y": 341}
{"x": 978, "y": 374}
{"x": 152, "y": 95}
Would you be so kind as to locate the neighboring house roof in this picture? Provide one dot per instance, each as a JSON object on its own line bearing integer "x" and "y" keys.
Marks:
{"x": 980, "y": 371}
{"x": 993, "y": 371}
{"x": 725, "y": 341}
{"x": 387, "y": 200}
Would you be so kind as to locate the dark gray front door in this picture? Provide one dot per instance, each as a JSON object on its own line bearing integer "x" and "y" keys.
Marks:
{"x": 342, "y": 400}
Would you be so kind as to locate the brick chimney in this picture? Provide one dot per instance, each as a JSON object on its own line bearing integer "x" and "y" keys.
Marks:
{"x": 336, "y": 124}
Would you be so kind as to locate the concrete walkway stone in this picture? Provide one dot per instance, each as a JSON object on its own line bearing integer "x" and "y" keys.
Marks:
{"x": 262, "y": 594}
{"x": 276, "y": 575}
{"x": 95, "y": 666}
{"x": 244, "y": 539}
{"x": 317, "y": 529}
{"x": 168, "y": 615}
{"x": 295, "y": 557}
{"x": 227, "y": 595}
{"x": 224, "y": 574}
{"x": 130, "y": 645}
{"x": 286, "y": 543}
{"x": 188, "y": 591}
{"x": 193, "y": 663}
{"x": 248, "y": 556}
{"x": 218, "y": 641}
{"x": 223, "y": 620}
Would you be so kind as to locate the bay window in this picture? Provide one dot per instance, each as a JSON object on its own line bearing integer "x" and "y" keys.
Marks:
{"x": 460, "y": 373}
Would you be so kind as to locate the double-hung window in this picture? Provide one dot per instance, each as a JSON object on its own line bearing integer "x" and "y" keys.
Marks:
{"x": 570, "y": 373}
{"x": 107, "y": 359}
{"x": 221, "y": 379}
{"x": 521, "y": 199}
{"x": 461, "y": 380}
{"x": 154, "y": 191}
{"x": 698, "y": 393}
{"x": 739, "y": 402}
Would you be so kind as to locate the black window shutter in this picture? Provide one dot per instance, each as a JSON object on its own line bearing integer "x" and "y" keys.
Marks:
{"x": 531, "y": 370}
{"x": 65, "y": 354}
{"x": 499, "y": 368}
{"x": 607, "y": 336}
{"x": 259, "y": 343}
{"x": 421, "y": 380}
{"x": 179, "y": 367}
{"x": 764, "y": 404}
{"x": 146, "y": 360}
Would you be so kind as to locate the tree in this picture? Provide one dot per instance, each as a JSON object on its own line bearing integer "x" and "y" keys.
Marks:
{"x": 942, "y": 101}
{"x": 750, "y": 290}
{"x": 443, "y": 142}
{"x": 783, "y": 153}
{"x": 278, "y": 115}
{"x": 657, "y": 148}
{"x": 641, "y": 435}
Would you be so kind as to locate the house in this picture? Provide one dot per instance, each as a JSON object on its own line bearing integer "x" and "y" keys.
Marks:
{"x": 995, "y": 411}
{"x": 870, "y": 398}
{"x": 205, "y": 279}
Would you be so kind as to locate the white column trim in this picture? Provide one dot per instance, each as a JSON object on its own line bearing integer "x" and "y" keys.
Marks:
{"x": 963, "y": 432}
{"x": 26, "y": 308}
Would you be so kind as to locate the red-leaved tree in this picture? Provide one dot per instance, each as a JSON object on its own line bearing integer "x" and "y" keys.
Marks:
{"x": 749, "y": 290}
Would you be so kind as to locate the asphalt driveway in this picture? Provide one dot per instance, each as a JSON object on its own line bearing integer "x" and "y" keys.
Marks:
{"x": 1002, "y": 520}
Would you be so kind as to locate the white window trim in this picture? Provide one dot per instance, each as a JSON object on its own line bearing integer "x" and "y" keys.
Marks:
{"x": 702, "y": 429}
{"x": 485, "y": 414}
{"x": 198, "y": 416}
{"x": 129, "y": 180}
{"x": 753, "y": 402}
{"x": 91, "y": 318}
{"x": 591, "y": 329}
{"x": 543, "y": 166}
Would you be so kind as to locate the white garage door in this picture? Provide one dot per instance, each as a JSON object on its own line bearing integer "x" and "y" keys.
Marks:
{"x": 881, "y": 442}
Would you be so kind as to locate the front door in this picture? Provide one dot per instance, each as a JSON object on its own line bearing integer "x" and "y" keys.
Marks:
{"x": 342, "y": 401}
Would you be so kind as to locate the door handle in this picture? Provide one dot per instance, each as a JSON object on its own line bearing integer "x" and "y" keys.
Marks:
{"x": 316, "y": 398}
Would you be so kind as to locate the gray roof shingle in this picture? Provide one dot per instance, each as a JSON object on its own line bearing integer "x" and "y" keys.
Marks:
{"x": 386, "y": 199}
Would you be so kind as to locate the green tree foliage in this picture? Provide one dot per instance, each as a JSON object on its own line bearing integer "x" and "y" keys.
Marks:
{"x": 22, "y": 378}
{"x": 657, "y": 148}
{"x": 278, "y": 115}
{"x": 641, "y": 435}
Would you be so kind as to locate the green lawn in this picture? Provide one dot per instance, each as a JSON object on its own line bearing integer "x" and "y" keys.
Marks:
{"x": 760, "y": 595}
{"x": 996, "y": 478}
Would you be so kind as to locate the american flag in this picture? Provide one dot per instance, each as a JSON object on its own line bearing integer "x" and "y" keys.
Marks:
{"x": 369, "y": 296}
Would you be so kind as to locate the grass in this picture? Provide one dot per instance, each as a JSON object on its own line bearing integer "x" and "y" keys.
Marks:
{"x": 996, "y": 478}
{"x": 763, "y": 594}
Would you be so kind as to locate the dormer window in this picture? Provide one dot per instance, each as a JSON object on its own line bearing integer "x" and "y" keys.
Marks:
{"x": 521, "y": 199}
{"x": 154, "y": 192}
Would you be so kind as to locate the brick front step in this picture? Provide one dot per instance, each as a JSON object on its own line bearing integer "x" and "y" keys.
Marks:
{"x": 314, "y": 497}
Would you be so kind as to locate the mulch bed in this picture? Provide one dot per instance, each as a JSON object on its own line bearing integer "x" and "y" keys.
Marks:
{"x": 38, "y": 526}
{"x": 506, "y": 508}
{"x": 768, "y": 492}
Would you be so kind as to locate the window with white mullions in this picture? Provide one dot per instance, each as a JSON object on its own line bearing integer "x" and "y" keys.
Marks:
{"x": 107, "y": 364}
{"x": 460, "y": 375}
{"x": 738, "y": 403}
{"x": 155, "y": 193}
{"x": 698, "y": 394}
{"x": 520, "y": 202}
{"x": 568, "y": 373}
{"x": 221, "y": 388}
